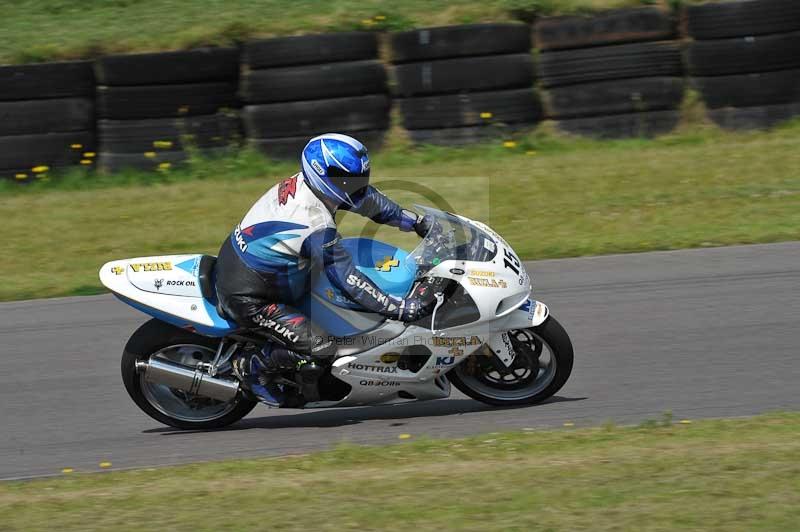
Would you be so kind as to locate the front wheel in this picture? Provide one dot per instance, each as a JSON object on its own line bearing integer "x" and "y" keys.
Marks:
{"x": 542, "y": 365}
{"x": 176, "y": 408}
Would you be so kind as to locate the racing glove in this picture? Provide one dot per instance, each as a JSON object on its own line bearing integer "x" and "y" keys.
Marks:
{"x": 419, "y": 304}
{"x": 423, "y": 225}
{"x": 413, "y": 309}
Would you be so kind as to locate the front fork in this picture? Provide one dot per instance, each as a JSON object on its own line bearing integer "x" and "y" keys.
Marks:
{"x": 530, "y": 314}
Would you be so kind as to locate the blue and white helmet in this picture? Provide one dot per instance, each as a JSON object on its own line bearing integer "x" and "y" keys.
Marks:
{"x": 336, "y": 166}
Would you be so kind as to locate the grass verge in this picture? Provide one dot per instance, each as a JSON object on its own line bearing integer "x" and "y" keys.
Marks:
{"x": 741, "y": 474}
{"x": 40, "y": 30}
{"x": 550, "y": 197}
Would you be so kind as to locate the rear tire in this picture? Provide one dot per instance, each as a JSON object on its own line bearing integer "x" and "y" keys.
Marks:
{"x": 149, "y": 339}
{"x": 553, "y": 335}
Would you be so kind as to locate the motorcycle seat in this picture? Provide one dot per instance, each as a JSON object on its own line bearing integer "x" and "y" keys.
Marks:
{"x": 205, "y": 277}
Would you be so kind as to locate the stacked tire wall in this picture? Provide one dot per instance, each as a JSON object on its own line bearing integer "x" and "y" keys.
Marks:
{"x": 745, "y": 61}
{"x": 46, "y": 118}
{"x": 617, "y": 74}
{"x": 153, "y": 108}
{"x": 295, "y": 88}
{"x": 620, "y": 73}
{"x": 461, "y": 84}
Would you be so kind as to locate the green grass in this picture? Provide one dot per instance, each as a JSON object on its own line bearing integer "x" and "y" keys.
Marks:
{"x": 41, "y": 30}
{"x": 549, "y": 197}
{"x": 727, "y": 475}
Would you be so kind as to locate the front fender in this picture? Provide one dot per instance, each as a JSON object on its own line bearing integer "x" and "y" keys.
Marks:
{"x": 532, "y": 313}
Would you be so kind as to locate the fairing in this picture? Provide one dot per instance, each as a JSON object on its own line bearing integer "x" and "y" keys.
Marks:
{"x": 168, "y": 288}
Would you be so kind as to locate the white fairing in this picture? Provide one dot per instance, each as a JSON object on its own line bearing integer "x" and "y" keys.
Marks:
{"x": 167, "y": 283}
{"x": 374, "y": 376}
{"x": 500, "y": 289}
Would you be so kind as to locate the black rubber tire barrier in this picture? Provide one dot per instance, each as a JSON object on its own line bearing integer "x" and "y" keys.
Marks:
{"x": 309, "y": 49}
{"x": 46, "y": 80}
{"x": 314, "y": 117}
{"x": 444, "y": 76}
{"x": 50, "y": 149}
{"x": 46, "y": 116}
{"x": 154, "y": 134}
{"x": 610, "y": 27}
{"x": 460, "y": 41}
{"x": 164, "y": 101}
{"x": 740, "y": 19}
{"x": 290, "y": 147}
{"x": 744, "y": 54}
{"x": 460, "y": 136}
{"x": 621, "y": 61}
{"x": 614, "y": 97}
{"x": 756, "y": 117}
{"x": 16, "y": 174}
{"x": 109, "y": 162}
{"x": 471, "y": 109}
{"x": 192, "y": 66}
{"x": 309, "y": 82}
{"x": 629, "y": 125}
{"x": 745, "y": 90}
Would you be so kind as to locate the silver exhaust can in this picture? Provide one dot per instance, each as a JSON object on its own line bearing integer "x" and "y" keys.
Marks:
{"x": 193, "y": 381}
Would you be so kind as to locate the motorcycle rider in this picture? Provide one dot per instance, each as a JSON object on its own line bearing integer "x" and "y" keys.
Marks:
{"x": 289, "y": 234}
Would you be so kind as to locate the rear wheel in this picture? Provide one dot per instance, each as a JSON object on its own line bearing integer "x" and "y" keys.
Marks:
{"x": 177, "y": 408}
{"x": 542, "y": 365}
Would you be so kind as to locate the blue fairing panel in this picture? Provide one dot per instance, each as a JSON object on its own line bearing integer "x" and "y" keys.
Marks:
{"x": 383, "y": 263}
{"x": 222, "y": 327}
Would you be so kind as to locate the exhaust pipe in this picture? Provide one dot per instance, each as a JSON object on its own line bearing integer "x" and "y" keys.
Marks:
{"x": 193, "y": 381}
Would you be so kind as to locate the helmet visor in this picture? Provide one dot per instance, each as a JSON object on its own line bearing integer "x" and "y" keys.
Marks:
{"x": 354, "y": 185}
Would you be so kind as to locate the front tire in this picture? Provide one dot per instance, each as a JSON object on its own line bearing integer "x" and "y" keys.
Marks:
{"x": 166, "y": 405}
{"x": 521, "y": 385}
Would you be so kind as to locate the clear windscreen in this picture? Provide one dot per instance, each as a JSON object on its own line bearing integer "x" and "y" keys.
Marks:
{"x": 450, "y": 238}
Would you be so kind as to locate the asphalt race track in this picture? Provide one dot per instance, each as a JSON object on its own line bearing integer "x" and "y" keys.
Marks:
{"x": 703, "y": 333}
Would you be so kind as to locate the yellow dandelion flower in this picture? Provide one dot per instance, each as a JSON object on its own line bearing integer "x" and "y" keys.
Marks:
{"x": 164, "y": 144}
{"x": 89, "y": 154}
{"x": 380, "y": 17}
{"x": 368, "y": 22}
{"x": 20, "y": 176}
{"x": 76, "y": 146}
{"x": 149, "y": 154}
{"x": 486, "y": 115}
{"x": 530, "y": 152}
{"x": 164, "y": 166}
{"x": 509, "y": 144}
{"x": 40, "y": 169}
{"x": 86, "y": 162}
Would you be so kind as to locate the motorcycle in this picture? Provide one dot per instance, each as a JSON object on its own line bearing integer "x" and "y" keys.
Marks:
{"x": 485, "y": 336}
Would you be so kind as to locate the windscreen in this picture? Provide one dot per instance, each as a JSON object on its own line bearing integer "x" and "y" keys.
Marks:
{"x": 450, "y": 238}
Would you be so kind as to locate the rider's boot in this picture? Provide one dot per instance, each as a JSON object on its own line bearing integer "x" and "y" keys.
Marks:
{"x": 261, "y": 373}
{"x": 258, "y": 372}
